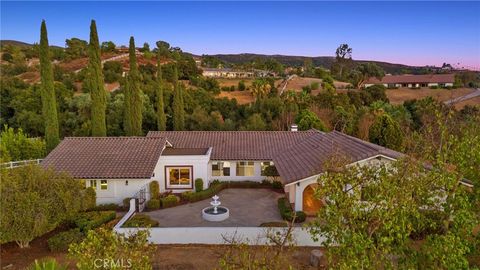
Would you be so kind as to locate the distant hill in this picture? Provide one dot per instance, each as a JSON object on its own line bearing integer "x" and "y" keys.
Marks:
{"x": 324, "y": 61}
{"x": 14, "y": 43}
{"x": 5, "y": 42}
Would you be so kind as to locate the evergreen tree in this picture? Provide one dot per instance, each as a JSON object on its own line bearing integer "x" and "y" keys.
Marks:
{"x": 127, "y": 123}
{"x": 178, "y": 107}
{"x": 96, "y": 84}
{"x": 49, "y": 103}
{"x": 161, "y": 119}
{"x": 385, "y": 131}
{"x": 133, "y": 95}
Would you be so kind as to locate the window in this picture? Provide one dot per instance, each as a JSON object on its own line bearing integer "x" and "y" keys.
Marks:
{"x": 264, "y": 166}
{"x": 93, "y": 184}
{"x": 220, "y": 168}
{"x": 103, "y": 184}
{"x": 245, "y": 168}
{"x": 179, "y": 177}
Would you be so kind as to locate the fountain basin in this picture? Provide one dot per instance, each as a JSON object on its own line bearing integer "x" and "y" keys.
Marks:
{"x": 209, "y": 215}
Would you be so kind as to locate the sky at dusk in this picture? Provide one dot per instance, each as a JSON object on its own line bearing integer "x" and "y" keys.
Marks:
{"x": 414, "y": 33}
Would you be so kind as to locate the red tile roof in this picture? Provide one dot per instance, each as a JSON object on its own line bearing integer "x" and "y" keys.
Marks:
{"x": 170, "y": 151}
{"x": 236, "y": 145}
{"x": 295, "y": 154}
{"x": 428, "y": 78}
{"x": 106, "y": 157}
{"x": 307, "y": 158}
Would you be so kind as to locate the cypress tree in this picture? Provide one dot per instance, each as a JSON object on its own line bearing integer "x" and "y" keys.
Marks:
{"x": 96, "y": 84}
{"x": 127, "y": 123}
{"x": 133, "y": 95}
{"x": 49, "y": 103}
{"x": 178, "y": 107}
{"x": 161, "y": 119}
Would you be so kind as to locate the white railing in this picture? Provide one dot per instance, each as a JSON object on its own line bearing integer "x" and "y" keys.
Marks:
{"x": 20, "y": 163}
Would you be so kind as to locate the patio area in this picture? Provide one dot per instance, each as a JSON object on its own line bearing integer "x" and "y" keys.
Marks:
{"x": 248, "y": 207}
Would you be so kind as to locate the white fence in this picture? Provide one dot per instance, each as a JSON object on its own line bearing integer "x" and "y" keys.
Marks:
{"x": 214, "y": 235}
{"x": 15, "y": 164}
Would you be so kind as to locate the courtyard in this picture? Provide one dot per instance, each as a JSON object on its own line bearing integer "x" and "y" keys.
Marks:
{"x": 248, "y": 208}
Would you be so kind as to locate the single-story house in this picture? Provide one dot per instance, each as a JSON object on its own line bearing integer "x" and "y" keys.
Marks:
{"x": 119, "y": 167}
{"x": 226, "y": 73}
{"x": 414, "y": 81}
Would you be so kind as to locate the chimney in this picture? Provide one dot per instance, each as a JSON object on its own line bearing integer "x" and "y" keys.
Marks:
{"x": 293, "y": 127}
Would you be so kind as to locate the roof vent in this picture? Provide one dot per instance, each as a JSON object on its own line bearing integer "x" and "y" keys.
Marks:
{"x": 293, "y": 127}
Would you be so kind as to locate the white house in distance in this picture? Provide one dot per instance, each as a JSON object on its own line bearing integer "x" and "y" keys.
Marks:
{"x": 414, "y": 81}
{"x": 118, "y": 167}
{"x": 233, "y": 73}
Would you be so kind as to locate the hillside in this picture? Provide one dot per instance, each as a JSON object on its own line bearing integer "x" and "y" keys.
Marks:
{"x": 324, "y": 61}
{"x": 6, "y": 42}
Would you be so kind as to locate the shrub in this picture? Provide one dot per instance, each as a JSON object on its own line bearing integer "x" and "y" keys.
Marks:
{"x": 434, "y": 87}
{"x": 284, "y": 207}
{"x": 153, "y": 204}
{"x": 47, "y": 264}
{"x": 241, "y": 85}
{"x": 274, "y": 224}
{"x": 31, "y": 207}
{"x": 104, "y": 243}
{"x": 287, "y": 212}
{"x": 140, "y": 220}
{"x": 277, "y": 185}
{"x": 169, "y": 201}
{"x": 314, "y": 85}
{"x": 198, "y": 184}
{"x": 90, "y": 220}
{"x": 106, "y": 207}
{"x": 154, "y": 189}
{"x": 271, "y": 170}
{"x": 61, "y": 241}
{"x": 300, "y": 217}
{"x": 16, "y": 145}
{"x": 186, "y": 195}
{"x": 89, "y": 199}
{"x": 126, "y": 203}
{"x": 215, "y": 182}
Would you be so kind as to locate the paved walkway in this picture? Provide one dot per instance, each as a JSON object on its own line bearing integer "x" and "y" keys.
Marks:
{"x": 476, "y": 93}
{"x": 248, "y": 207}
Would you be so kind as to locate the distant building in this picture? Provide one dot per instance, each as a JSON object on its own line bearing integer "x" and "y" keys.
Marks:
{"x": 232, "y": 73}
{"x": 226, "y": 73}
{"x": 414, "y": 81}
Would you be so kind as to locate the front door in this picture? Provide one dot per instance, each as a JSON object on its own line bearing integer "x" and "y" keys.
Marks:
{"x": 311, "y": 204}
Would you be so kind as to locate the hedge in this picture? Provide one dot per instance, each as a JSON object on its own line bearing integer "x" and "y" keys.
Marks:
{"x": 90, "y": 220}
{"x": 198, "y": 184}
{"x": 61, "y": 241}
{"x": 153, "y": 204}
{"x": 274, "y": 224}
{"x": 154, "y": 189}
{"x": 169, "y": 201}
{"x": 287, "y": 212}
{"x": 140, "y": 220}
{"x": 106, "y": 207}
{"x": 277, "y": 185}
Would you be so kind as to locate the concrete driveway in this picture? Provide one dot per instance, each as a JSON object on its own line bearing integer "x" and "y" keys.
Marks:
{"x": 248, "y": 207}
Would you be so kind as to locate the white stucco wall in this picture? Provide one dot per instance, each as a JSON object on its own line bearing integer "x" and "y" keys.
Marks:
{"x": 233, "y": 172}
{"x": 198, "y": 162}
{"x": 117, "y": 190}
{"x": 298, "y": 187}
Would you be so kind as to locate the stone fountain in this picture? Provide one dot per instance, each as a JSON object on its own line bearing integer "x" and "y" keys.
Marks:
{"x": 215, "y": 212}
